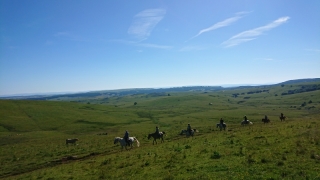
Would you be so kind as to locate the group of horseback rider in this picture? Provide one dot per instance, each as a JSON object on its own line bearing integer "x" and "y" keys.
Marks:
{"x": 126, "y": 134}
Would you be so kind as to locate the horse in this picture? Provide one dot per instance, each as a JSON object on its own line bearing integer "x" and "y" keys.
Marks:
{"x": 187, "y": 132}
{"x": 244, "y": 122}
{"x": 282, "y": 118}
{"x": 123, "y": 142}
{"x": 221, "y": 127}
{"x": 72, "y": 141}
{"x": 156, "y": 136}
{"x": 265, "y": 120}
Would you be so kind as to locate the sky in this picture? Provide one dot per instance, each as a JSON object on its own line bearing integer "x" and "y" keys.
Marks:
{"x": 79, "y": 45}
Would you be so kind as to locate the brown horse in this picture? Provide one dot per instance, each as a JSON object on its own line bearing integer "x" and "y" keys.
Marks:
{"x": 282, "y": 118}
{"x": 265, "y": 120}
{"x": 157, "y": 136}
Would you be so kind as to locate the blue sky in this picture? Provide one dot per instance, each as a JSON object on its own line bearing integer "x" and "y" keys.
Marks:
{"x": 80, "y": 45}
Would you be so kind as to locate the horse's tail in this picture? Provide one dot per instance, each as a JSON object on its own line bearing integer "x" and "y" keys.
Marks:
{"x": 138, "y": 143}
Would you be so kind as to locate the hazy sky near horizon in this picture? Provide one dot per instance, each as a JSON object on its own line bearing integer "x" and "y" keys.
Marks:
{"x": 80, "y": 45}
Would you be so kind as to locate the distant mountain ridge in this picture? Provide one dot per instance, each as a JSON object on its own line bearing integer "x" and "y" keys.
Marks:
{"x": 132, "y": 91}
{"x": 300, "y": 81}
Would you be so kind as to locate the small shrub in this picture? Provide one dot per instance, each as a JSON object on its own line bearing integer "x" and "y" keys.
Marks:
{"x": 284, "y": 157}
{"x": 105, "y": 162}
{"x": 263, "y": 160}
{"x": 204, "y": 151}
{"x": 215, "y": 155}
{"x": 178, "y": 149}
{"x": 147, "y": 163}
{"x": 250, "y": 159}
{"x": 280, "y": 163}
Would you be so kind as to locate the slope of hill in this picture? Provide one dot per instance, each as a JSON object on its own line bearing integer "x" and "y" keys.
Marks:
{"x": 159, "y": 91}
{"x": 33, "y": 134}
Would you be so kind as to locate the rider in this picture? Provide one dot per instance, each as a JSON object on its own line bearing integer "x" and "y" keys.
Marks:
{"x": 157, "y": 131}
{"x": 126, "y": 137}
{"x": 221, "y": 121}
{"x": 245, "y": 119}
{"x": 281, "y": 115}
{"x": 265, "y": 117}
{"x": 189, "y": 128}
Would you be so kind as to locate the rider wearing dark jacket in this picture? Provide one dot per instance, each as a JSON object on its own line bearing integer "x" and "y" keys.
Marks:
{"x": 157, "y": 131}
{"x": 221, "y": 121}
{"x": 245, "y": 119}
{"x": 126, "y": 137}
{"x": 189, "y": 128}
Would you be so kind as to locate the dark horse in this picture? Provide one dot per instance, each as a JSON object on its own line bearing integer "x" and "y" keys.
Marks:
{"x": 265, "y": 120}
{"x": 221, "y": 127}
{"x": 282, "y": 118}
{"x": 157, "y": 136}
{"x": 187, "y": 133}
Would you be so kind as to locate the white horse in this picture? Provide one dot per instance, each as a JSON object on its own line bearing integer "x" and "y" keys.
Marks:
{"x": 123, "y": 142}
{"x": 243, "y": 123}
{"x": 186, "y": 132}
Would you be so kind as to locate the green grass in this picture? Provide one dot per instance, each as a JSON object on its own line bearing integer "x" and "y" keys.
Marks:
{"x": 33, "y": 133}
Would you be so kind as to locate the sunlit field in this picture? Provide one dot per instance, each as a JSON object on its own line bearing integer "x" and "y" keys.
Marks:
{"x": 33, "y": 136}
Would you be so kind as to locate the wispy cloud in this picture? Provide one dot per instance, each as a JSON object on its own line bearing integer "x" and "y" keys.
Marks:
{"x": 221, "y": 24}
{"x": 253, "y": 33}
{"x": 144, "y": 22}
{"x": 154, "y": 46}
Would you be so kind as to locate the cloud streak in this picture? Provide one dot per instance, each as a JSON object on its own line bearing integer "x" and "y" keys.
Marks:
{"x": 144, "y": 22}
{"x": 252, "y": 34}
{"x": 221, "y": 24}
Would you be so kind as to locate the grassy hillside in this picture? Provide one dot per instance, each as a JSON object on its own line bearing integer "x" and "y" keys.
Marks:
{"x": 33, "y": 133}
